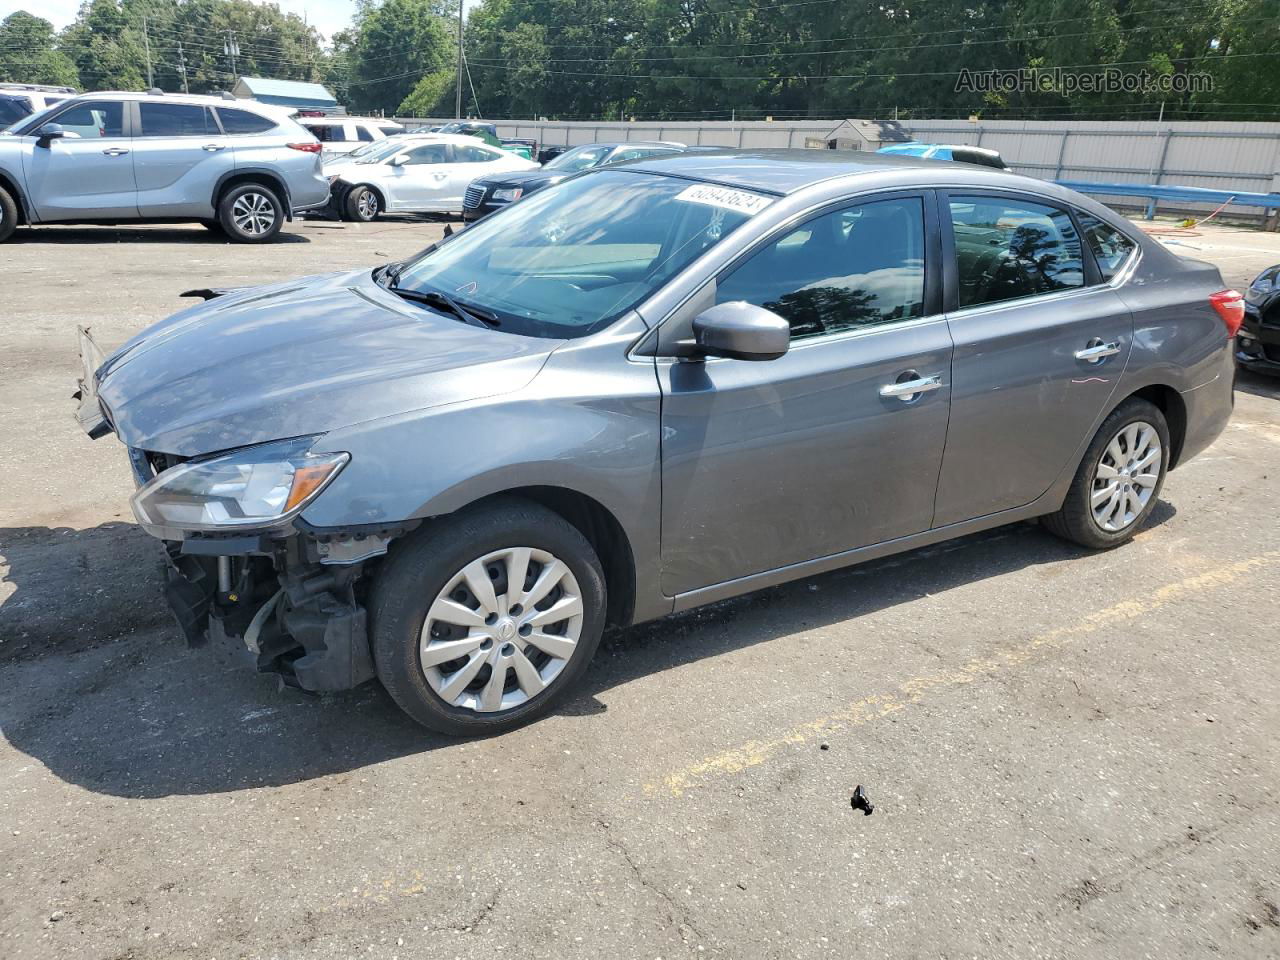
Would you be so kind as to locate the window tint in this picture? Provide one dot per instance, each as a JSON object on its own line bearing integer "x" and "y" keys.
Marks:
{"x": 13, "y": 109}
{"x": 390, "y": 131}
{"x": 468, "y": 154}
{"x": 241, "y": 122}
{"x": 95, "y": 118}
{"x": 853, "y": 268}
{"x": 175, "y": 120}
{"x": 1006, "y": 249}
{"x": 363, "y": 134}
{"x": 429, "y": 153}
{"x": 636, "y": 153}
{"x": 1111, "y": 248}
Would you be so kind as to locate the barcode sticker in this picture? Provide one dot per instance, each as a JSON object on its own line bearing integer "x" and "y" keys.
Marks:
{"x": 726, "y": 198}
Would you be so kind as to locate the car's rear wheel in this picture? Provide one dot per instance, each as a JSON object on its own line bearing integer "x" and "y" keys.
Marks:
{"x": 363, "y": 205}
{"x": 251, "y": 213}
{"x": 484, "y": 620}
{"x": 8, "y": 215}
{"x": 1119, "y": 479}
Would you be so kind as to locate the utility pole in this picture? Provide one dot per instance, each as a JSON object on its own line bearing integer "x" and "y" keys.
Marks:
{"x": 232, "y": 49}
{"x": 457, "y": 102}
{"x": 182, "y": 68}
{"x": 146, "y": 43}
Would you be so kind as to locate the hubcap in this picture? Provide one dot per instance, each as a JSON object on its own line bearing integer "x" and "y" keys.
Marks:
{"x": 1126, "y": 476}
{"x": 501, "y": 630}
{"x": 253, "y": 213}
{"x": 367, "y": 204}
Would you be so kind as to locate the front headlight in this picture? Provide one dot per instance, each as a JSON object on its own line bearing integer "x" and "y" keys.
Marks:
{"x": 508, "y": 194}
{"x": 256, "y": 487}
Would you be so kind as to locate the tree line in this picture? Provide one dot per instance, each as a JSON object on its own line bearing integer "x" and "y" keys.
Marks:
{"x": 693, "y": 59}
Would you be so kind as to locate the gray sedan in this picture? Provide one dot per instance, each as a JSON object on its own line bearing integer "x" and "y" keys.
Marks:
{"x": 645, "y": 389}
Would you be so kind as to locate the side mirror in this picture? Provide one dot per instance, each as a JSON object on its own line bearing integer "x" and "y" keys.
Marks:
{"x": 48, "y": 132}
{"x": 740, "y": 331}
{"x": 399, "y": 160}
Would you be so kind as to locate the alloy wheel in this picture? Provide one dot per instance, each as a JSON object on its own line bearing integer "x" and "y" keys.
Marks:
{"x": 502, "y": 629}
{"x": 254, "y": 214}
{"x": 367, "y": 205}
{"x": 1126, "y": 476}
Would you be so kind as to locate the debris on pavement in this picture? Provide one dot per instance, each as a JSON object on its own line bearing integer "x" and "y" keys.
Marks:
{"x": 860, "y": 801}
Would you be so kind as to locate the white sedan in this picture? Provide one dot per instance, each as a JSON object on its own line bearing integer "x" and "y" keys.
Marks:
{"x": 426, "y": 176}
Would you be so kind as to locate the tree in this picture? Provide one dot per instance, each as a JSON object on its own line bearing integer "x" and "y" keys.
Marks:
{"x": 106, "y": 53}
{"x": 29, "y": 53}
{"x": 398, "y": 43}
{"x": 431, "y": 97}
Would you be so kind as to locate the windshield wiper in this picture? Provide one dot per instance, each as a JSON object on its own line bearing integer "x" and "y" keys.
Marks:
{"x": 438, "y": 298}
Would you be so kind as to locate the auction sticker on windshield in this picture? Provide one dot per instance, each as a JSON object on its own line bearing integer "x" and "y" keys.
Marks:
{"x": 726, "y": 198}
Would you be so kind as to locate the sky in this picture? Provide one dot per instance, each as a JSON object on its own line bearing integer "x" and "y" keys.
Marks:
{"x": 327, "y": 16}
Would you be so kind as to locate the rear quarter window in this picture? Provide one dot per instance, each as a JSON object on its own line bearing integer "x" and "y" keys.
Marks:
{"x": 242, "y": 122}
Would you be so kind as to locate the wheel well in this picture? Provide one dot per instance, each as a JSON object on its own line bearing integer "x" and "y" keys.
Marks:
{"x": 382, "y": 199}
{"x": 1174, "y": 408}
{"x": 261, "y": 179}
{"x": 12, "y": 189}
{"x": 603, "y": 532}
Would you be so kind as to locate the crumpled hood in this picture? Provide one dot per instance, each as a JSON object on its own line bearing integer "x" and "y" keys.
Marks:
{"x": 301, "y": 358}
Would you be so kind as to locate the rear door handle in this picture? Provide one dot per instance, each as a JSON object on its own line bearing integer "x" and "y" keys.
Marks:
{"x": 115, "y": 151}
{"x": 215, "y": 147}
{"x": 909, "y": 390}
{"x": 1097, "y": 350}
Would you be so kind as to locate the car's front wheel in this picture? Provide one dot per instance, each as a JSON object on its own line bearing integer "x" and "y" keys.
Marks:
{"x": 8, "y": 215}
{"x": 251, "y": 213}
{"x": 484, "y": 620}
{"x": 362, "y": 205}
{"x": 1118, "y": 482}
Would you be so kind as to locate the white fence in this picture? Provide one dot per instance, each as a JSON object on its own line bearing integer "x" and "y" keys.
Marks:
{"x": 1240, "y": 156}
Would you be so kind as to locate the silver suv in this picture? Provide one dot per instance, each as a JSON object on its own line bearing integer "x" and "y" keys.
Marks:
{"x": 233, "y": 165}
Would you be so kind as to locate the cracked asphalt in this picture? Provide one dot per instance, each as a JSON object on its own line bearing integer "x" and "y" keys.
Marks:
{"x": 1070, "y": 754}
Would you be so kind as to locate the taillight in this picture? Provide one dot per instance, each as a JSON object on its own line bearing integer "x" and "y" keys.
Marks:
{"x": 312, "y": 147}
{"x": 1230, "y": 307}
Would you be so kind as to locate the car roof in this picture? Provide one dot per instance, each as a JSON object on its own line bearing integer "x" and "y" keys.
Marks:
{"x": 783, "y": 171}
{"x": 383, "y": 121}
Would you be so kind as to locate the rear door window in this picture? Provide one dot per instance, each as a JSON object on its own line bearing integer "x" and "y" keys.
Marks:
{"x": 176, "y": 120}
{"x": 363, "y": 134}
{"x": 242, "y": 122}
{"x": 1010, "y": 249}
{"x": 857, "y": 267}
{"x": 470, "y": 154}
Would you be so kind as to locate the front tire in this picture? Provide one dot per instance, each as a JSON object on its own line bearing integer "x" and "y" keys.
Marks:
{"x": 484, "y": 620}
{"x": 1118, "y": 481}
{"x": 251, "y": 213}
{"x": 8, "y": 215}
{"x": 362, "y": 205}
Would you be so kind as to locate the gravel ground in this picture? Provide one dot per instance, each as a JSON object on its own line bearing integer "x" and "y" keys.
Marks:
{"x": 1070, "y": 754}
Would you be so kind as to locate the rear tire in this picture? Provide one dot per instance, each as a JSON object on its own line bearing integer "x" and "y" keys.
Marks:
{"x": 251, "y": 213}
{"x": 362, "y": 205}
{"x": 8, "y": 215}
{"x": 1118, "y": 481}
{"x": 477, "y": 661}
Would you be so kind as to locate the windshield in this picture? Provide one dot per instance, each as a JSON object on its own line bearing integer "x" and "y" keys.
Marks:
{"x": 570, "y": 259}
{"x": 379, "y": 150}
{"x": 367, "y": 148}
{"x": 579, "y": 158}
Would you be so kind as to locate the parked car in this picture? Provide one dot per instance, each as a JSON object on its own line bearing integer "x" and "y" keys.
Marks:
{"x": 342, "y": 135}
{"x": 488, "y": 133}
{"x": 424, "y": 177}
{"x": 387, "y": 146}
{"x": 237, "y": 166}
{"x": 495, "y": 191}
{"x": 940, "y": 151}
{"x": 20, "y": 100}
{"x": 655, "y": 386}
{"x": 1258, "y": 346}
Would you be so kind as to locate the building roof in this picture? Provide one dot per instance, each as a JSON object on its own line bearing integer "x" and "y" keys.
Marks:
{"x": 289, "y": 89}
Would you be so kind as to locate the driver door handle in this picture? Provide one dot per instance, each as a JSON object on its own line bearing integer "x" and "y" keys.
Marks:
{"x": 1096, "y": 351}
{"x": 215, "y": 147}
{"x": 908, "y": 390}
{"x": 115, "y": 151}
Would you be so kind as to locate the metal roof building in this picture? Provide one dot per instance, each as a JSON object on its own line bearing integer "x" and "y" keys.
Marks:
{"x": 286, "y": 93}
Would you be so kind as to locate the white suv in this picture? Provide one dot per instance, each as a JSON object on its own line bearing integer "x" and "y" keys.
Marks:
{"x": 20, "y": 100}
{"x": 234, "y": 165}
{"x": 341, "y": 135}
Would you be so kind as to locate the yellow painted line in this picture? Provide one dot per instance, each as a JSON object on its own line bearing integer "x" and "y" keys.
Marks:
{"x": 913, "y": 691}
